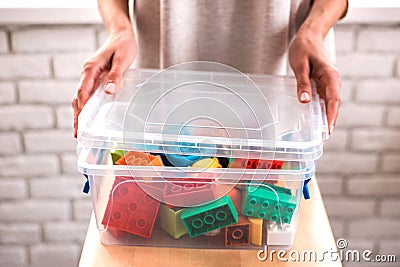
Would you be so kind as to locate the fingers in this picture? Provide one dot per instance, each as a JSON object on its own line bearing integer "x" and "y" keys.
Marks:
{"x": 329, "y": 82}
{"x": 113, "y": 80}
{"x": 301, "y": 69}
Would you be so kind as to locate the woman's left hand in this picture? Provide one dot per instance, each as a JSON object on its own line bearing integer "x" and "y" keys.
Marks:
{"x": 309, "y": 60}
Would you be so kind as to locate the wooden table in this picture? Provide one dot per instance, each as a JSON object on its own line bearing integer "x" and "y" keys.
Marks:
{"x": 313, "y": 233}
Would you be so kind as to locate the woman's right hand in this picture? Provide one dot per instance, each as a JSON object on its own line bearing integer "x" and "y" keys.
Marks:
{"x": 106, "y": 66}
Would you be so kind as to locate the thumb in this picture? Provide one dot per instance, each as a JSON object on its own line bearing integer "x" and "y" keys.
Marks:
{"x": 302, "y": 74}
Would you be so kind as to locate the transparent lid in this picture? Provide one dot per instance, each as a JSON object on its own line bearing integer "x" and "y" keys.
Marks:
{"x": 217, "y": 112}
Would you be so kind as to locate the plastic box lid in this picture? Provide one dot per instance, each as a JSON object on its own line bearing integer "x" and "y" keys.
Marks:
{"x": 209, "y": 113}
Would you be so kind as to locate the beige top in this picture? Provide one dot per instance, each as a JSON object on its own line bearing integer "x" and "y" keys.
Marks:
{"x": 250, "y": 35}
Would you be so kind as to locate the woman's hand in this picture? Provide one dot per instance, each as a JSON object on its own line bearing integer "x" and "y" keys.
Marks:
{"x": 309, "y": 60}
{"x": 106, "y": 66}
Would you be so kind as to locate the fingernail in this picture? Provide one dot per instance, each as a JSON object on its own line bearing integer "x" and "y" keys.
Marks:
{"x": 304, "y": 97}
{"x": 110, "y": 88}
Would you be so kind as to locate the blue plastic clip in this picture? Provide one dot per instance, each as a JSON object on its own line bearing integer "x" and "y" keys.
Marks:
{"x": 86, "y": 187}
{"x": 306, "y": 191}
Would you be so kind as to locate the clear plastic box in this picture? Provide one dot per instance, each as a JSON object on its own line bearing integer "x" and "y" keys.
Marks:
{"x": 171, "y": 189}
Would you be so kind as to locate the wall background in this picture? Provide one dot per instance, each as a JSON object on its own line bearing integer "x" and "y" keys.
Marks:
{"x": 44, "y": 215}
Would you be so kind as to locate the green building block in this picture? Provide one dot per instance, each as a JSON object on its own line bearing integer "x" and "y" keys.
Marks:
{"x": 269, "y": 202}
{"x": 209, "y": 217}
{"x": 116, "y": 155}
{"x": 171, "y": 221}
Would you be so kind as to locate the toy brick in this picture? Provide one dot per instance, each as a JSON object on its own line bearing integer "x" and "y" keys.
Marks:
{"x": 207, "y": 163}
{"x": 170, "y": 220}
{"x": 255, "y": 164}
{"x": 238, "y": 234}
{"x": 115, "y": 232}
{"x": 183, "y": 193}
{"x": 212, "y": 216}
{"x": 116, "y": 216}
{"x": 280, "y": 235}
{"x": 136, "y": 158}
{"x": 256, "y": 230}
{"x": 116, "y": 155}
{"x": 269, "y": 202}
{"x": 130, "y": 209}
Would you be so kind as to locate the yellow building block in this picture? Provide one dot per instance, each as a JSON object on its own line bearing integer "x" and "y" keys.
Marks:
{"x": 171, "y": 221}
{"x": 256, "y": 230}
{"x": 207, "y": 163}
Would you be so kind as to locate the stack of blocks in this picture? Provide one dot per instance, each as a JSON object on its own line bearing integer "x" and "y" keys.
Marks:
{"x": 241, "y": 213}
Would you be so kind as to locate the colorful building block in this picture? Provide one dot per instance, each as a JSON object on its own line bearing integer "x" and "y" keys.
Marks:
{"x": 136, "y": 158}
{"x": 130, "y": 209}
{"x": 238, "y": 234}
{"x": 209, "y": 217}
{"x": 170, "y": 219}
{"x": 268, "y": 202}
{"x": 207, "y": 163}
{"x": 116, "y": 155}
{"x": 256, "y": 230}
{"x": 186, "y": 192}
{"x": 280, "y": 235}
{"x": 255, "y": 164}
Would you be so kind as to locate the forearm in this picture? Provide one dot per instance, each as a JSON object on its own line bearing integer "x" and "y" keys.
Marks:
{"x": 115, "y": 14}
{"x": 323, "y": 15}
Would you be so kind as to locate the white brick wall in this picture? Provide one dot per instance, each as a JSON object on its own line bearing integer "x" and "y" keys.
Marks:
{"x": 347, "y": 207}
{"x": 13, "y": 256}
{"x": 391, "y": 162}
{"x": 393, "y": 118}
{"x": 65, "y": 232}
{"x": 354, "y": 114}
{"x": 64, "y": 115}
{"x": 20, "y": 117}
{"x": 49, "y": 141}
{"x": 384, "y": 185}
{"x": 7, "y": 93}
{"x": 13, "y": 188}
{"x": 35, "y": 210}
{"x": 53, "y": 39}
{"x": 24, "y": 66}
{"x": 20, "y": 233}
{"x": 346, "y": 162}
{"x": 387, "y": 91}
{"x": 43, "y": 212}
{"x": 3, "y": 42}
{"x": 366, "y": 65}
{"x": 10, "y": 143}
{"x": 29, "y": 165}
{"x": 379, "y": 39}
{"x": 375, "y": 228}
{"x": 347, "y": 40}
{"x": 390, "y": 207}
{"x": 69, "y": 65}
{"x": 376, "y": 139}
{"x": 46, "y": 91}
{"x": 61, "y": 187}
{"x": 60, "y": 255}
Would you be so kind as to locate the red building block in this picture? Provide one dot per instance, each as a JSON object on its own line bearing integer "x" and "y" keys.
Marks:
{"x": 238, "y": 234}
{"x": 130, "y": 209}
{"x": 188, "y": 192}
